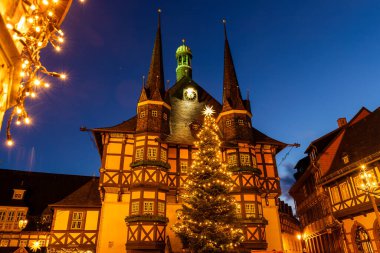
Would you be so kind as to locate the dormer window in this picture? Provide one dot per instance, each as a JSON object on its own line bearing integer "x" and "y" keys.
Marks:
{"x": 345, "y": 159}
{"x": 18, "y": 194}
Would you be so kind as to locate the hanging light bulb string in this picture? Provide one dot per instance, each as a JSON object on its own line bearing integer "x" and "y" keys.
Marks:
{"x": 35, "y": 30}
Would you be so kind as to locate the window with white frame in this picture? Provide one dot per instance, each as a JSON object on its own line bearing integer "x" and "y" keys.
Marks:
{"x": 148, "y": 207}
{"x": 345, "y": 191}
{"x": 164, "y": 155}
{"x": 249, "y": 210}
{"x": 135, "y": 208}
{"x": 19, "y": 216}
{"x": 77, "y": 220}
{"x": 154, "y": 113}
{"x": 161, "y": 208}
{"x": 335, "y": 197}
{"x": 152, "y": 153}
{"x": 2, "y": 215}
{"x": 245, "y": 160}
{"x": 228, "y": 123}
{"x": 11, "y": 215}
{"x": 183, "y": 166}
{"x": 139, "y": 154}
{"x": 232, "y": 160}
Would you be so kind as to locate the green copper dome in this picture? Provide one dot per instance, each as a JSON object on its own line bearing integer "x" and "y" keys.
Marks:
{"x": 184, "y": 57}
{"x": 183, "y": 49}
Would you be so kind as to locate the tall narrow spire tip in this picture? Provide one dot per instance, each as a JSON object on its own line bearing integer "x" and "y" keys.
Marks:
{"x": 225, "y": 29}
{"x": 159, "y": 17}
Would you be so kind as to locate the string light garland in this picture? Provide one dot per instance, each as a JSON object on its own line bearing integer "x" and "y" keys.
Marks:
{"x": 38, "y": 28}
{"x": 208, "y": 219}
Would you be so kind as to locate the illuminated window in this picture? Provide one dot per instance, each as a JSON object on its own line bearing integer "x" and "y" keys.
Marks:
{"x": 2, "y": 215}
{"x": 11, "y": 215}
{"x": 249, "y": 210}
{"x": 77, "y": 220}
{"x": 164, "y": 155}
{"x": 245, "y": 160}
{"x": 139, "y": 154}
{"x": 363, "y": 241}
{"x": 344, "y": 191}
{"x": 238, "y": 210}
{"x": 232, "y": 160}
{"x": 183, "y": 166}
{"x": 148, "y": 207}
{"x": 240, "y": 122}
{"x": 152, "y": 153}
{"x": 254, "y": 162}
{"x": 259, "y": 209}
{"x": 161, "y": 208}
{"x": 135, "y": 208}
{"x": 335, "y": 194}
{"x": 154, "y": 113}
{"x": 18, "y": 194}
{"x": 228, "y": 123}
{"x": 4, "y": 243}
{"x": 358, "y": 183}
{"x": 345, "y": 159}
{"x": 19, "y": 216}
{"x": 165, "y": 116}
{"x": 142, "y": 114}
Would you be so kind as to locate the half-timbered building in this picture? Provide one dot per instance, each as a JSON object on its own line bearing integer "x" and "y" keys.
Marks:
{"x": 25, "y": 196}
{"x": 337, "y": 215}
{"x": 145, "y": 161}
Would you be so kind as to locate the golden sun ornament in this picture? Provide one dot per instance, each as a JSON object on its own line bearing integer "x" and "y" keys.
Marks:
{"x": 208, "y": 111}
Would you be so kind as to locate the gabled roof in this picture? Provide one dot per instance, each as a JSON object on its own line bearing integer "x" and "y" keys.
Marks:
{"x": 86, "y": 196}
{"x": 321, "y": 143}
{"x": 41, "y": 189}
{"x": 361, "y": 139}
{"x": 261, "y": 138}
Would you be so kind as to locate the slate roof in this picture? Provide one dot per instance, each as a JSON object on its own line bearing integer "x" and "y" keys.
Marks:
{"x": 41, "y": 188}
{"x": 86, "y": 196}
{"x": 360, "y": 139}
{"x": 181, "y": 118}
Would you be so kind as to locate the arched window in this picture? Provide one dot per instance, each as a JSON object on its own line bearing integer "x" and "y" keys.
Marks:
{"x": 180, "y": 60}
{"x": 362, "y": 240}
{"x": 376, "y": 233}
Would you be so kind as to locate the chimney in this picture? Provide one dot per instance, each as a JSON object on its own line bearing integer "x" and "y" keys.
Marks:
{"x": 342, "y": 122}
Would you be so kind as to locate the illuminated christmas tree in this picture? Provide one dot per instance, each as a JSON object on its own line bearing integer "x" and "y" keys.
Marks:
{"x": 208, "y": 219}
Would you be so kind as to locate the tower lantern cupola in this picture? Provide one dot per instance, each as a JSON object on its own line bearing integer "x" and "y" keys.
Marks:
{"x": 183, "y": 56}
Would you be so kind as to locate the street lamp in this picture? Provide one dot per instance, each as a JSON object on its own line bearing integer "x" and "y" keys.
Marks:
{"x": 370, "y": 186}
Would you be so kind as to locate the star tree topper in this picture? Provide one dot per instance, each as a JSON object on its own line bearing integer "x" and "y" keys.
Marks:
{"x": 208, "y": 111}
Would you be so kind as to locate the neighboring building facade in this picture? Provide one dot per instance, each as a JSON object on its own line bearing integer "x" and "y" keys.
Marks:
{"x": 290, "y": 229}
{"x": 26, "y": 196}
{"x": 11, "y": 11}
{"x": 145, "y": 161}
{"x": 335, "y": 214}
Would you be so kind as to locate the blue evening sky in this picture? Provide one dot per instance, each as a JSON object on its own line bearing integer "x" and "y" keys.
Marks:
{"x": 305, "y": 63}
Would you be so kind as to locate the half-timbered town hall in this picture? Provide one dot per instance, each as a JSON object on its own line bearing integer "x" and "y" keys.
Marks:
{"x": 145, "y": 161}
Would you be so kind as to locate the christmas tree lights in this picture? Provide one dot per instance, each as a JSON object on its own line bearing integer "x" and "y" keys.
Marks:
{"x": 36, "y": 29}
{"x": 208, "y": 218}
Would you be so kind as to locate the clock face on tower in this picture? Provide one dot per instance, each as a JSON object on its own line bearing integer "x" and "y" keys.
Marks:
{"x": 190, "y": 94}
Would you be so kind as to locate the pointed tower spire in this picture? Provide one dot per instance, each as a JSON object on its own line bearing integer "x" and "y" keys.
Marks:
{"x": 232, "y": 98}
{"x": 155, "y": 81}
